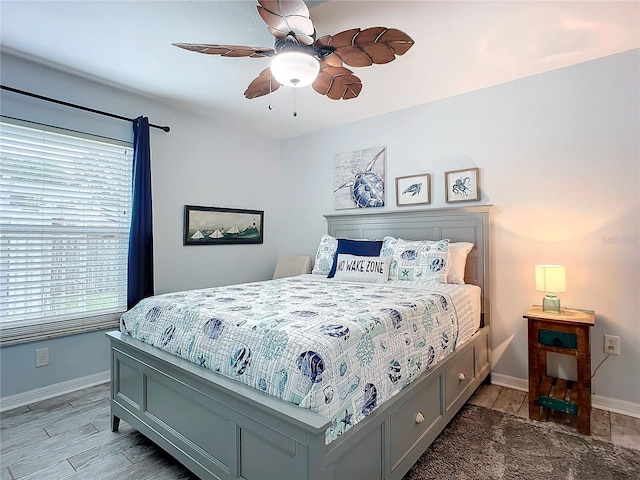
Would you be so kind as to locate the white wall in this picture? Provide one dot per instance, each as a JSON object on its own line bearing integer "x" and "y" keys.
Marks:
{"x": 200, "y": 162}
{"x": 559, "y": 159}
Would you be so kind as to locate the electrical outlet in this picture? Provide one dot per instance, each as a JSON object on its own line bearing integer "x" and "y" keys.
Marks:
{"x": 42, "y": 357}
{"x": 612, "y": 345}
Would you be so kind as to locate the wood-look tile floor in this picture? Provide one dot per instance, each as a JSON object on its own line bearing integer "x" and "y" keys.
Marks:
{"x": 69, "y": 437}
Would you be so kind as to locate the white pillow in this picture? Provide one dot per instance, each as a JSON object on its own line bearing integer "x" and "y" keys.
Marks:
{"x": 355, "y": 268}
{"x": 421, "y": 260}
{"x": 324, "y": 256}
{"x": 458, "y": 252}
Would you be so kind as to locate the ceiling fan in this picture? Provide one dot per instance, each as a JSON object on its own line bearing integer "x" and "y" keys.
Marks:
{"x": 299, "y": 59}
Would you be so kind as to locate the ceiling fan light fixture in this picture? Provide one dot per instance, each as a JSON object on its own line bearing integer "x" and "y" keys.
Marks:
{"x": 295, "y": 69}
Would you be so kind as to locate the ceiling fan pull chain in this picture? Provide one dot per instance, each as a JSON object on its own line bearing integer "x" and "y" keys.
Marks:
{"x": 270, "y": 91}
{"x": 295, "y": 102}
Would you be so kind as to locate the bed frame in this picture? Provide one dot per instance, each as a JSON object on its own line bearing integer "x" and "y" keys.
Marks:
{"x": 221, "y": 429}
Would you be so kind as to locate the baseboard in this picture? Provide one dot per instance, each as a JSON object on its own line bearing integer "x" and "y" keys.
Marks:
{"x": 597, "y": 401}
{"x": 39, "y": 394}
{"x": 515, "y": 383}
{"x": 617, "y": 406}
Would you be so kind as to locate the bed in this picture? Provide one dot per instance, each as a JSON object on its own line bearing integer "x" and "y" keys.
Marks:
{"x": 223, "y": 429}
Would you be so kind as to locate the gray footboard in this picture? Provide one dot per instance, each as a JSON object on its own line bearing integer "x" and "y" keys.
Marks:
{"x": 221, "y": 429}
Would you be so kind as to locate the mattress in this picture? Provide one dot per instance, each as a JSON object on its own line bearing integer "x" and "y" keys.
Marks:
{"x": 337, "y": 348}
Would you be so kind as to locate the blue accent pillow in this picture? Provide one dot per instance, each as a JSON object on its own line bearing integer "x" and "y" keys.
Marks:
{"x": 362, "y": 248}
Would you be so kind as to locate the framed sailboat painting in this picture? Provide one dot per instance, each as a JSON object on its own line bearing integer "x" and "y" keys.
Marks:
{"x": 220, "y": 226}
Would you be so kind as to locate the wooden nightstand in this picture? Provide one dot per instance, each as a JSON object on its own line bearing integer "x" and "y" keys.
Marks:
{"x": 567, "y": 333}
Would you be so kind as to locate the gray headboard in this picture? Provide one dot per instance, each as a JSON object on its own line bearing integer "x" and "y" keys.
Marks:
{"x": 465, "y": 224}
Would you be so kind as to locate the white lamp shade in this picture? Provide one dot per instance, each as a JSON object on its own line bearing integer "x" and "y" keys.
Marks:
{"x": 294, "y": 69}
{"x": 551, "y": 278}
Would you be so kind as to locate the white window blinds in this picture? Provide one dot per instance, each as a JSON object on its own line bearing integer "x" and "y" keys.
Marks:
{"x": 65, "y": 202}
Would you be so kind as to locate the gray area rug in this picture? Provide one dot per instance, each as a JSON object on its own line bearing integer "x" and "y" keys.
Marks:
{"x": 484, "y": 444}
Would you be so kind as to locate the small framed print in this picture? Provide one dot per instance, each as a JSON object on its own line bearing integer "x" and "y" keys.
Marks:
{"x": 413, "y": 190}
{"x": 462, "y": 185}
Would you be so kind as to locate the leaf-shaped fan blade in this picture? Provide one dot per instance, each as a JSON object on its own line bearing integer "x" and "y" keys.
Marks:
{"x": 333, "y": 60}
{"x": 262, "y": 85}
{"x": 284, "y": 17}
{"x": 337, "y": 82}
{"x": 227, "y": 50}
{"x": 361, "y": 48}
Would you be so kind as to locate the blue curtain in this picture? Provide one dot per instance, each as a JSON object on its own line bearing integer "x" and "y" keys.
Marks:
{"x": 140, "y": 272}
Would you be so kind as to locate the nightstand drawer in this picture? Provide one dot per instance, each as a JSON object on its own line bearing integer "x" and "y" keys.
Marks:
{"x": 558, "y": 339}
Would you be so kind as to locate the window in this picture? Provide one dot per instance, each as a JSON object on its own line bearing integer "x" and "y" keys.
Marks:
{"x": 65, "y": 202}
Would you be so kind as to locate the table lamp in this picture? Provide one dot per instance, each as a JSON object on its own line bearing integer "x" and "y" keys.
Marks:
{"x": 551, "y": 279}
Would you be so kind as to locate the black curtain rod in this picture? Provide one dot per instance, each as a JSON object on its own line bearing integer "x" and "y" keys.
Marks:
{"x": 79, "y": 107}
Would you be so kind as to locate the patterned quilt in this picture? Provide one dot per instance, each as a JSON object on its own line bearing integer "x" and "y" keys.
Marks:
{"x": 337, "y": 348}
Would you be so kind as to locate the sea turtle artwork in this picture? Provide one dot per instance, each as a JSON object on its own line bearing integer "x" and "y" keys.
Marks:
{"x": 359, "y": 179}
{"x": 412, "y": 190}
